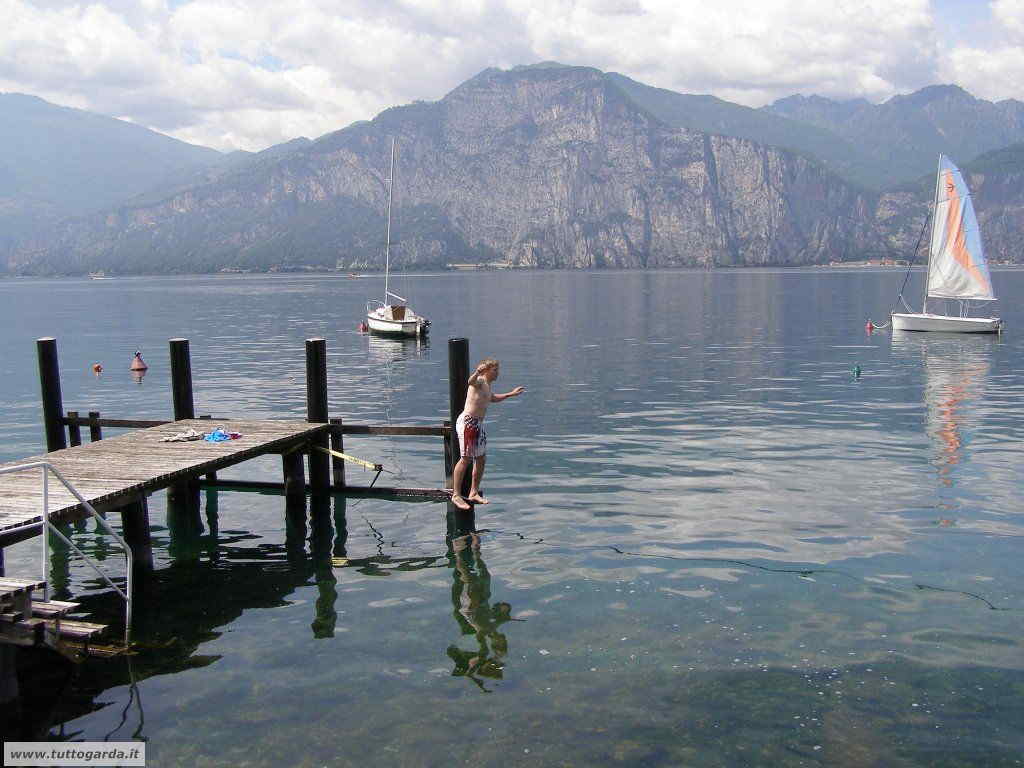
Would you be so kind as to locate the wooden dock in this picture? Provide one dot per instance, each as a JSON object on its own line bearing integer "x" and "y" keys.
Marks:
{"x": 119, "y": 473}
{"x": 115, "y": 472}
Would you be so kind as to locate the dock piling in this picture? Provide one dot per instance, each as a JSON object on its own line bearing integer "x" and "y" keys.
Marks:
{"x": 135, "y": 524}
{"x": 95, "y": 430}
{"x": 294, "y": 474}
{"x": 449, "y": 464}
{"x": 458, "y": 385}
{"x": 183, "y": 498}
{"x": 181, "y": 380}
{"x": 74, "y": 430}
{"x": 49, "y": 382}
{"x": 316, "y": 413}
{"x": 337, "y": 445}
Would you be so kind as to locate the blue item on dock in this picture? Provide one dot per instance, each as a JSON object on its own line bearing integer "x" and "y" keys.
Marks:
{"x": 217, "y": 436}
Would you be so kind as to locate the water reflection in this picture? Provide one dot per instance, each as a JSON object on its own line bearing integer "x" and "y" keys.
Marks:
{"x": 383, "y": 350}
{"x": 956, "y": 370}
{"x": 476, "y": 615}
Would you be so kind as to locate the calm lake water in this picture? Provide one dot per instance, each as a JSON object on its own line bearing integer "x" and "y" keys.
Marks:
{"x": 710, "y": 542}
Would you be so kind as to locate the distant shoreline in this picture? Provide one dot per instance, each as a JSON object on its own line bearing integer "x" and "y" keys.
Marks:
{"x": 466, "y": 268}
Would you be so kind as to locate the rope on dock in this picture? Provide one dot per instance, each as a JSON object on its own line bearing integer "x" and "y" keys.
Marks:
{"x": 346, "y": 457}
{"x": 378, "y": 468}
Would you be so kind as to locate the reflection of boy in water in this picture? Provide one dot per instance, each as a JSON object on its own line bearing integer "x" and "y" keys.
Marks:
{"x": 471, "y": 594}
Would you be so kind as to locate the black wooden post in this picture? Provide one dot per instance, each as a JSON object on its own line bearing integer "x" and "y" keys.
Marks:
{"x": 337, "y": 444}
{"x": 183, "y": 498}
{"x": 458, "y": 385}
{"x": 316, "y": 413}
{"x": 449, "y": 463}
{"x": 49, "y": 382}
{"x": 460, "y": 522}
{"x": 95, "y": 430}
{"x": 74, "y": 430}
{"x": 181, "y": 380}
{"x": 294, "y": 474}
{"x": 184, "y": 511}
{"x": 135, "y": 525}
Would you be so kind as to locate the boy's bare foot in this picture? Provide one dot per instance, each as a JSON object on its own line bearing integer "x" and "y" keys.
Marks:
{"x": 460, "y": 502}
{"x": 476, "y": 498}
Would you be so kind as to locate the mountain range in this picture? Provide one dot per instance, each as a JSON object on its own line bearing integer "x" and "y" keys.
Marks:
{"x": 540, "y": 166}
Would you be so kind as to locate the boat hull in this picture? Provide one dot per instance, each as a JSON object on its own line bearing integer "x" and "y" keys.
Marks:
{"x": 417, "y": 327}
{"x": 945, "y": 323}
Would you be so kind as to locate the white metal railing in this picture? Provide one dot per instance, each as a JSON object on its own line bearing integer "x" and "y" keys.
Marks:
{"x": 47, "y": 526}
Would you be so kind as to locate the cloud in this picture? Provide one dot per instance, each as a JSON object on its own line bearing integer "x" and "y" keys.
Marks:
{"x": 228, "y": 73}
{"x": 996, "y": 70}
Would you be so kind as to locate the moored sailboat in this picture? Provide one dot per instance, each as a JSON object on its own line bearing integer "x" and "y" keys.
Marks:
{"x": 957, "y": 269}
{"x": 387, "y": 317}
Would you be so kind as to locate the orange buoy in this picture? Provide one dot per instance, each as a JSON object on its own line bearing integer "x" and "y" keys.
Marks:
{"x": 869, "y": 326}
{"x": 363, "y": 327}
{"x": 137, "y": 363}
{"x": 97, "y": 368}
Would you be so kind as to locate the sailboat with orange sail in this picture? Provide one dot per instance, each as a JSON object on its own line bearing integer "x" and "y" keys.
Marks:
{"x": 957, "y": 270}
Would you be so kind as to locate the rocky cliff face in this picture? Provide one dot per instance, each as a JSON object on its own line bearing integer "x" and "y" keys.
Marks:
{"x": 541, "y": 167}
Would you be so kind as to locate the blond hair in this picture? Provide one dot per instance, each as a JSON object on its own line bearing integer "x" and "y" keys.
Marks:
{"x": 487, "y": 362}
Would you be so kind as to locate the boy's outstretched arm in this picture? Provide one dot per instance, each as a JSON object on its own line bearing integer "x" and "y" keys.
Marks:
{"x": 496, "y": 398}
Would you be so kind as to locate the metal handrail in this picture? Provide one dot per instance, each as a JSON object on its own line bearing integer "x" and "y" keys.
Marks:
{"x": 45, "y": 523}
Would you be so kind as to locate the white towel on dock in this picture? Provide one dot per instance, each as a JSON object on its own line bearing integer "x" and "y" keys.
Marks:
{"x": 182, "y": 437}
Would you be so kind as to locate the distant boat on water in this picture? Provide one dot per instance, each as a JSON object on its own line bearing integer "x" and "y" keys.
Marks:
{"x": 957, "y": 269}
{"x": 388, "y": 317}
{"x": 101, "y": 275}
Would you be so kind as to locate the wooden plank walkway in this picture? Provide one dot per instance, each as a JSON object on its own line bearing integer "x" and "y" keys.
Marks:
{"x": 115, "y": 471}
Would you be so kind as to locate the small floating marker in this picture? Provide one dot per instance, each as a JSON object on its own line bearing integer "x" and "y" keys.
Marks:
{"x": 137, "y": 363}
{"x": 97, "y": 368}
{"x": 363, "y": 327}
{"x": 869, "y": 327}
{"x": 856, "y": 371}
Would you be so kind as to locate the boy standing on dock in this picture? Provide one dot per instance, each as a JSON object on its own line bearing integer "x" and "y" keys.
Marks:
{"x": 470, "y": 429}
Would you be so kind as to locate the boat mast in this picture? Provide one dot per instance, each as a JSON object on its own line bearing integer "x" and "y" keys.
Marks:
{"x": 935, "y": 209}
{"x": 387, "y": 241}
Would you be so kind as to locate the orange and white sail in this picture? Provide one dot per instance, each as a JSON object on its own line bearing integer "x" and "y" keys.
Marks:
{"x": 956, "y": 267}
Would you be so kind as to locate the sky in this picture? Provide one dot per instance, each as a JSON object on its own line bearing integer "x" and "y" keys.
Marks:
{"x": 247, "y": 74}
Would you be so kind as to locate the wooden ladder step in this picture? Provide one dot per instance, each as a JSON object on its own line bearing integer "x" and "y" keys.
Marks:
{"x": 75, "y": 630}
{"x": 17, "y": 619}
{"x": 9, "y": 614}
{"x": 25, "y": 632}
{"x": 52, "y": 609}
{"x": 18, "y": 585}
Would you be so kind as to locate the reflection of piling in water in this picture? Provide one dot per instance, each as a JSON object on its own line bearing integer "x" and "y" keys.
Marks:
{"x": 322, "y": 542}
{"x": 60, "y": 564}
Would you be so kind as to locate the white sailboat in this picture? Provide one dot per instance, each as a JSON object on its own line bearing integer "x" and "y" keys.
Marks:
{"x": 957, "y": 269}
{"x": 387, "y": 317}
